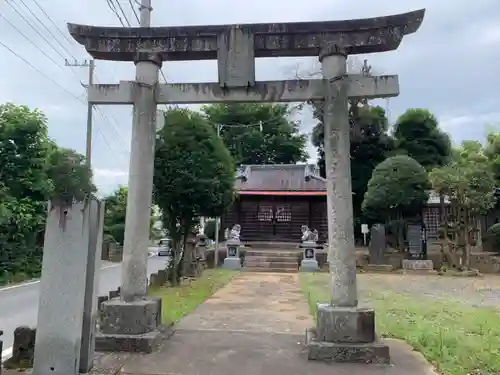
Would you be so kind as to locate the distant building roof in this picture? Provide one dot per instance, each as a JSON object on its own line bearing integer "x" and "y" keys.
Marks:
{"x": 280, "y": 178}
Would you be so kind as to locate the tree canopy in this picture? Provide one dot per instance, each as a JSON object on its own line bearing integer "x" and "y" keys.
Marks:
{"x": 399, "y": 185}
{"x": 417, "y": 134}
{"x": 194, "y": 171}
{"x": 115, "y": 206}
{"x": 279, "y": 142}
{"x": 194, "y": 175}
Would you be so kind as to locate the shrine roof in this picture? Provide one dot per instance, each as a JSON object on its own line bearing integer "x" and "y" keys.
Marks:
{"x": 180, "y": 43}
{"x": 280, "y": 178}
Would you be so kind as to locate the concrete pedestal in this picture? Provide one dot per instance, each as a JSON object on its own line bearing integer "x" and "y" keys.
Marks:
{"x": 130, "y": 326}
{"x": 232, "y": 263}
{"x": 309, "y": 265}
{"x": 345, "y": 334}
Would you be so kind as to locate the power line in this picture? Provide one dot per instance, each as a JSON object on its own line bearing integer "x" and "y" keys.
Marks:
{"x": 135, "y": 12}
{"x": 29, "y": 40}
{"x": 112, "y": 6}
{"x": 41, "y": 73}
{"x": 47, "y": 29}
{"x": 29, "y": 23}
{"x": 54, "y": 24}
{"x": 123, "y": 13}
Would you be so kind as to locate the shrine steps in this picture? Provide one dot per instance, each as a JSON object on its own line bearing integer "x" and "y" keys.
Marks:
{"x": 271, "y": 261}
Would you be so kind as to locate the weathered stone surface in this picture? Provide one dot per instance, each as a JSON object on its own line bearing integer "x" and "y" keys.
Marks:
{"x": 357, "y": 36}
{"x": 378, "y": 244}
{"x": 372, "y": 352}
{"x": 162, "y": 277}
{"x": 232, "y": 263}
{"x": 358, "y": 87}
{"x": 23, "y": 349}
{"x": 418, "y": 265}
{"x": 309, "y": 265}
{"x": 129, "y": 318}
{"x": 342, "y": 324}
{"x": 143, "y": 343}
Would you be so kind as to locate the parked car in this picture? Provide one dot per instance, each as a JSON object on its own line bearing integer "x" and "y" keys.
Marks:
{"x": 165, "y": 246}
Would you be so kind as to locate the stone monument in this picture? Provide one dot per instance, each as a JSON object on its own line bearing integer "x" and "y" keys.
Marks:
{"x": 233, "y": 260}
{"x": 58, "y": 342}
{"x": 417, "y": 252}
{"x": 309, "y": 245}
{"x": 377, "y": 250}
{"x": 235, "y": 47}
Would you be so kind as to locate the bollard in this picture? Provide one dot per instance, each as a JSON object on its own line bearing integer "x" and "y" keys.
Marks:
{"x": 162, "y": 277}
{"x": 154, "y": 280}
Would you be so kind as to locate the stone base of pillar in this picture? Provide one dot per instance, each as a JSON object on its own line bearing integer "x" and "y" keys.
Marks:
{"x": 345, "y": 335}
{"x": 131, "y": 326}
{"x": 309, "y": 265}
{"x": 232, "y": 263}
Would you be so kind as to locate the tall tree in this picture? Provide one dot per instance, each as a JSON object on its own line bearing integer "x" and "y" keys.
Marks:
{"x": 492, "y": 152}
{"x": 469, "y": 184}
{"x": 194, "y": 176}
{"x": 115, "y": 214}
{"x": 115, "y": 206}
{"x": 370, "y": 145}
{"x": 417, "y": 134}
{"x": 398, "y": 189}
{"x": 278, "y": 142}
{"x": 69, "y": 173}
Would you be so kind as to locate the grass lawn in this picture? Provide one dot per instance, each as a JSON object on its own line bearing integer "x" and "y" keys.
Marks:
{"x": 180, "y": 301}
{"x": 457, "y": 339}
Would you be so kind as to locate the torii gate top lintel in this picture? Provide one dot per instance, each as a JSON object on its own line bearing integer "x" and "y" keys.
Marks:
{"x": 358, "y": 36}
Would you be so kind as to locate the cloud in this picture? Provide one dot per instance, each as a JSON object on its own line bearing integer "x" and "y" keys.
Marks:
{"x": 449, "y": 66}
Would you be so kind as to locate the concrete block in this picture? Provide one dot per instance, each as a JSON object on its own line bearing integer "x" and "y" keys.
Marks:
{"x": 129, "y": 318}
{"x": 232, "y": 263}
{"x": 344, "y": 324}
{"x": 375, "y": 352}
{"x": 309, "y": 265}
{"x": 144, "y": 343}
{"x": 418, "y": 265}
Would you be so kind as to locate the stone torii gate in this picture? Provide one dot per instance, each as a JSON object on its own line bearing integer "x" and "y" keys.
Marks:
{"x": 342, "y": 327}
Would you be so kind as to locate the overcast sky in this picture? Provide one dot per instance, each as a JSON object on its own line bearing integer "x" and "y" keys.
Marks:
{"x": 450, "y": 66}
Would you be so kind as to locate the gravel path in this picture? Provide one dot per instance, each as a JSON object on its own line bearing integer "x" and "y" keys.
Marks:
{"x": 483, "y": 291}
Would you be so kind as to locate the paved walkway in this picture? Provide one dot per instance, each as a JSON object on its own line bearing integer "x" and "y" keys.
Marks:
{"x": 253, "y": 326}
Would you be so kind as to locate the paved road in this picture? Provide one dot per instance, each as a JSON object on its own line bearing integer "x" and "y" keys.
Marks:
{"x": 19, "y": 303}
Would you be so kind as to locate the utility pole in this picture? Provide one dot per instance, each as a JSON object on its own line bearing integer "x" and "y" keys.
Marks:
{"x": 88, "y": 145}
